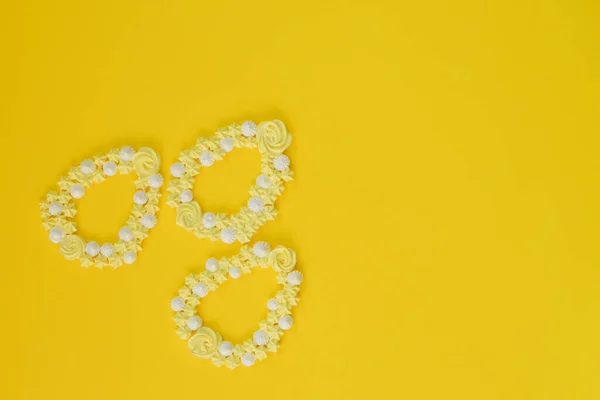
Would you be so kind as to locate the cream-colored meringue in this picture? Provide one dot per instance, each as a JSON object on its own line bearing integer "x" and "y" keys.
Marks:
{"x": 208, "y": 220}
{"x": 129, "y": 257}
{"x": 228, "y": 235}
{"x": 226, "y": 348}
{"x": 256, "y": 204}
{"x": 248, "y": 359}
{"x": 286, "y": 322}
{"x": 235, "y": 272}
{"x": 177, "y": 169}
{"x": 87, "y": 166}
{"x": 186, "y": 196}
{"x": 206, "y": 158}
{"x": 92, "y": 248}
{"x": 77, "y": 191}
{"x": 56, "y": 234}
{"x": 272, "y": 304}
{"x": 200, "y": 289}
{"x": 155, "y": 180}
{"x": 109, "y": 168}
{"x": 148, "y": 220}
{"x": 177, "y": 303}
{"x": 260, "y": 337}
{"x": 212, "y": 264}
{"x": 226, "y": 144}
{"x": 140, "y": 197}
{"x": 126, "y": 234}
{"x": 295, "y": 277}
{"x": 194, "y": 322}
{"x": 263, "y": 181}
{"x": 55, "y": 208}
{"x": 281, "y": 163}
{"x": 249, "y": 128}
{"x": 127, "y": 153}
{"x": 107, "y": 249}
{"x": 261, "y": 249}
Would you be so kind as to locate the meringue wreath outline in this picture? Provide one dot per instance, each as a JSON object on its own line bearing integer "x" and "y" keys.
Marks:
{"x": 58, "y": 208}
{"x": 203, "y": 341}
{"x": 272, "y": 139}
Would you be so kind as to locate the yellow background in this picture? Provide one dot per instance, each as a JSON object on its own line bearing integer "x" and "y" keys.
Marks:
{"x": 445, "y": 207}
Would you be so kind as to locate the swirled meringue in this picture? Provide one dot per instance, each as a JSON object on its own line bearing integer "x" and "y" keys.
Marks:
{"x": 194, "y": 322}
{"x": 72, "y": 247}
{"x": 263, "y": 181}
{"x": 256, "y": 204}
{"x": 226, "y": 348}
{"x": 140, "y": 197}
{"x": 282, "y": 259}
{"x": 126, "y": 234}
{"x": 186, "y": 196}
{"x": 127, "y": 153}
{"x": 155, "y": 180}
{"x": 248, "y": 359}
{"x": 146, "y": 162}
{"x": 56, "y": 234}
{"x": 87, "y": 166}
{"x": 228, "y": 235}
{"x": 129, "y": 257}
{"x": 206, "y": 158}
{"x": 205, "y": 342}
{"x": 295, "y": 278}
{"x": 273, "y": 138}
{"x": 212, "y": 264}
{"x": 272, "y": 304}
{"x": 107, "y": 249}
{"x": 281, "y": 163}
{"x": 226, "y": 144}
{"x": 249, "y": 128}
{"x": 208, "y": 220}
{"x": 285, "y": 322}
{"x": 177, "y": 169}
{"x": 261, "y": 249}
{"x": 189, "y": 215}
{"x": 235, "y": 272}
{"x": 55, "y": 208}
{"x": 260, "y": 337}
{"x": 92, "y": 249}
{"x": 77, "y": 191}
{"x": 200, "y": 289}
{"x": 148, "y": 220}
{"x": 177, "y": 303}
{"x": 109, "y": 168}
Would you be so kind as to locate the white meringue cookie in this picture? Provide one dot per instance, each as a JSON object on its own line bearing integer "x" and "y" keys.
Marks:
{"x": 55, "y": 208}
{"x": 285, "y": 322}
{"x": 260, "y": 337}
{"x": 177, "y": 304}
{"x": 272, "y": 304}
{"x": 206, "y": 158}
{"x": 148, "y": 220}
{"x": 235, "y": 272}
{"x": 256, "y": 204}
{"x": 92, "y": 249}
{"x": 261, "y": 249}
{"x": 263, "y": 181}
{"x": 228, "y": 235}
{"x": 140, "y": 197}
{"x": 56, "y": 234}
{"x": 249, "y": 128}
{"x": 295, "y": 277}
{"x": 126, "y": 234}
{"x": 226, "y": 348}
{"x": 177, "y": 169}
{"x": 77, "y": 191}
{"x": 107, "y": 249}
{"x": 127, "y": 153}
{"x": 109, "y": 168}
{"x": 212, "y": 264}
{"x": 281, "y": 163}
{"x": 194, "y": 322}
{"x": 155, "y": 180}
{"x": 208, "y": 220}
{"x": 226, "y": 144}
{"x": 129, "y": 257}
{"x": 87, "y": 166}
{"x": 200, "y": 289}
{"x": 248, "y": 359}
{"x": 186, "y": 196}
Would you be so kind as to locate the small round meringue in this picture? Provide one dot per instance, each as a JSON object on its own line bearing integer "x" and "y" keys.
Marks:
{"x": 55, "y": 208}
{"x": 295, "y": 277}
{"x": 200, "y": 289}
{"x": 92, "y": 249}
{"x": 127, "y": 153}
{"x": 87, "y": 166}
{"x": 256, "y": 204}
{"x": 263, "y": 181}
{"x": 285, "y": 322}
{"x": 235, "y": 272}
{"x": 56, "y": 234}
{"x": 129, "y": 257}
{"x": 261, "y": 249}
{"x": 226, "y": 348}
{"x": 212, "y": 264}
{"x": 260, "y": 337}
{"x": 208, "y": 220}
{"x": 109, "y": 168}
{"x": 177, "y": 169}
{"x": 249, "y": 128}
{"x": 228, "y": 235}
{"x": 194, "y": 322}
{"x": 77, "y": 191}
{"x": 248, "y": 359}
{"x": 156, "y": 180}
{"x": 107, "y": 249}
{"x": 148, "y": 220}
{"x": 206, "y": 158}
{"x": 226, "y": 144}
{"x": 186, "y": 196}
{"x": 126, "y": 234}
{"x": 281, "y": 163}
{"x": 272, "y": 304}
{"x": 177, "y": 304}
{"x": 140, "y": 197}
